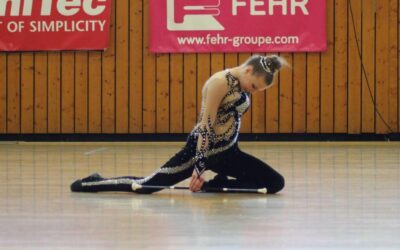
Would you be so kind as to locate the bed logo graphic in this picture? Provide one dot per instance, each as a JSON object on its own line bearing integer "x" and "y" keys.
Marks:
{"x": 193, "y": 15}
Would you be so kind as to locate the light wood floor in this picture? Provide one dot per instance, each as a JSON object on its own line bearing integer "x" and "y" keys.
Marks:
{"x": 337, "y": 196}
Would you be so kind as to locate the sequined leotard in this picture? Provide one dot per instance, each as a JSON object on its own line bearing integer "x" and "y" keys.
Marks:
{"x": 223, "y": 133}
{"x": 221, "y": 136}
{"x": 218, "y": 152}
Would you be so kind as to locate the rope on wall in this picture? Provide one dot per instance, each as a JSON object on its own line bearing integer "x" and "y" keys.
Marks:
{"x": 364, "y": 71}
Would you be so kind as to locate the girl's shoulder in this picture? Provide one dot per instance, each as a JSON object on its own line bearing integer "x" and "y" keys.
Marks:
{"x": 219, "y": 78}
{"x": 217, "y": 82}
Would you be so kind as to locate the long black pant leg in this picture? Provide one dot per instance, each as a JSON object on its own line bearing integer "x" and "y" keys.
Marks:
{"x": 176, "y": 169}
{"x": 249, "y": 172}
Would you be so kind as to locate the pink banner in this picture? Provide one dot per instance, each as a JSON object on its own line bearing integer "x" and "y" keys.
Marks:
{"x": 237, "y": 25}
{"x": 54, "y": 25}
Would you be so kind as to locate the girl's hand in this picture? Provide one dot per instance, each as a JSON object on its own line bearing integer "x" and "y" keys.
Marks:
{"x": 196, "y": 182}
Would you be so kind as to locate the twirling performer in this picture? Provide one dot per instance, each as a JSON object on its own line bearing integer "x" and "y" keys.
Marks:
{"x": 213, "y": 143}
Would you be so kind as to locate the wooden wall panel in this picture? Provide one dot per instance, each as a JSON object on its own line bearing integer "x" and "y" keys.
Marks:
{"x": 27, "y": 90}
{"x": 81, "y": 92}
{"x": 67, "y": 92}
{"x": 382, "y": 66}
{"x": 149, "y": 77}
{"x": 94, "y": 92}
{"x": 189, "y": 92}
{"x": 203, "y": 73}
{"x": 54, "y": 92}
{"x": 162, "y": 99}
{"x": 272, "y": 107}
{"x": 368, "y": 76}
{"x": 40, "y": 97}
{"x": 122, "y": 66}
{"x": 217, "y": 62}
{"x": 286, "y": 96}
{"x": 354, "y": 68}
{"x": 299, "y": 88}
{"x": 231, "y": 60}
{"x": 128, "y": 89}
{"x": 136, "y": 67}
{"x": 341, "y": 67}
{"x": 176, "y": 94}
{"x": 3, "y": 93}
{"x": 258, "y": 108}
{"x": 13, "y": 93}
{"x": 108, "y": 84}
{"x": 393, "y": 65}
{"x": 327, "y": 73}
{"x": 313, "y": 93}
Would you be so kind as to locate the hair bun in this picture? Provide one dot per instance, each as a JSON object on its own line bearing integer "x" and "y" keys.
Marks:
{"x": 273, "y": 63}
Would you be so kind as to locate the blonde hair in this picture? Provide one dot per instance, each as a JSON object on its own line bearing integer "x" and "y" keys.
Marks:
{"x": 265, "y": 66}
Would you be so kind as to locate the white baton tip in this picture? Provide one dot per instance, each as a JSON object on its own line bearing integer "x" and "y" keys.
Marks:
{"x": 262, "y": 190}
{"x": 136, "y": 186}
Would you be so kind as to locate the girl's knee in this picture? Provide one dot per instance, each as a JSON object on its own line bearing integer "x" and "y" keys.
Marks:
{"x": 277, "y": 184}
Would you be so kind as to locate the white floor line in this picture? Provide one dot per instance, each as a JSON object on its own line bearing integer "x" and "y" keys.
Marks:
{"x": 95, "y": 151}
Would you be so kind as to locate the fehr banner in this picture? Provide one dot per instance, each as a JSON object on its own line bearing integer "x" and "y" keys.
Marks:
{"x": 237, "y": 25}
{"x": 30, "y": 25}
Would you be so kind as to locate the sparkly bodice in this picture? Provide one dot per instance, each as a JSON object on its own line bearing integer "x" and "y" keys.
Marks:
{"x": 234, "y": 104}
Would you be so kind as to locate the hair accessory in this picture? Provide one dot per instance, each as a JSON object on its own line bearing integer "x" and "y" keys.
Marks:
{"x": 266, "y": 64}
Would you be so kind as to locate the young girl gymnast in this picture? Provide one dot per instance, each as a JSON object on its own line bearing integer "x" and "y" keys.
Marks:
{"x": 212, "y": 144}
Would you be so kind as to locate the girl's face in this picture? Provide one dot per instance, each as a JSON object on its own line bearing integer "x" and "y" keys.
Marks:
{"x": 251, "y": 83}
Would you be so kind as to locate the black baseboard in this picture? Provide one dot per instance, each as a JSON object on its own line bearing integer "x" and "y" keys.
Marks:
{"x": 182, "y": 137}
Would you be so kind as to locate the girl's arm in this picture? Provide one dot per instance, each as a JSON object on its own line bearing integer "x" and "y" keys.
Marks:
{"x": 216, "y": 88}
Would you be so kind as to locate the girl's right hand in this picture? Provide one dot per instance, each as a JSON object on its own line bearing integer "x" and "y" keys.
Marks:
{"x": 196, "y": 182}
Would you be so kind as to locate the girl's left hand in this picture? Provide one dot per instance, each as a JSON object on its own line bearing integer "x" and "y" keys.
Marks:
{"x": 196, "y": 182}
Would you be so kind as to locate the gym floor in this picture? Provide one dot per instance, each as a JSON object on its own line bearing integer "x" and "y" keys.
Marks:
{"x": 337, "y": 196}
